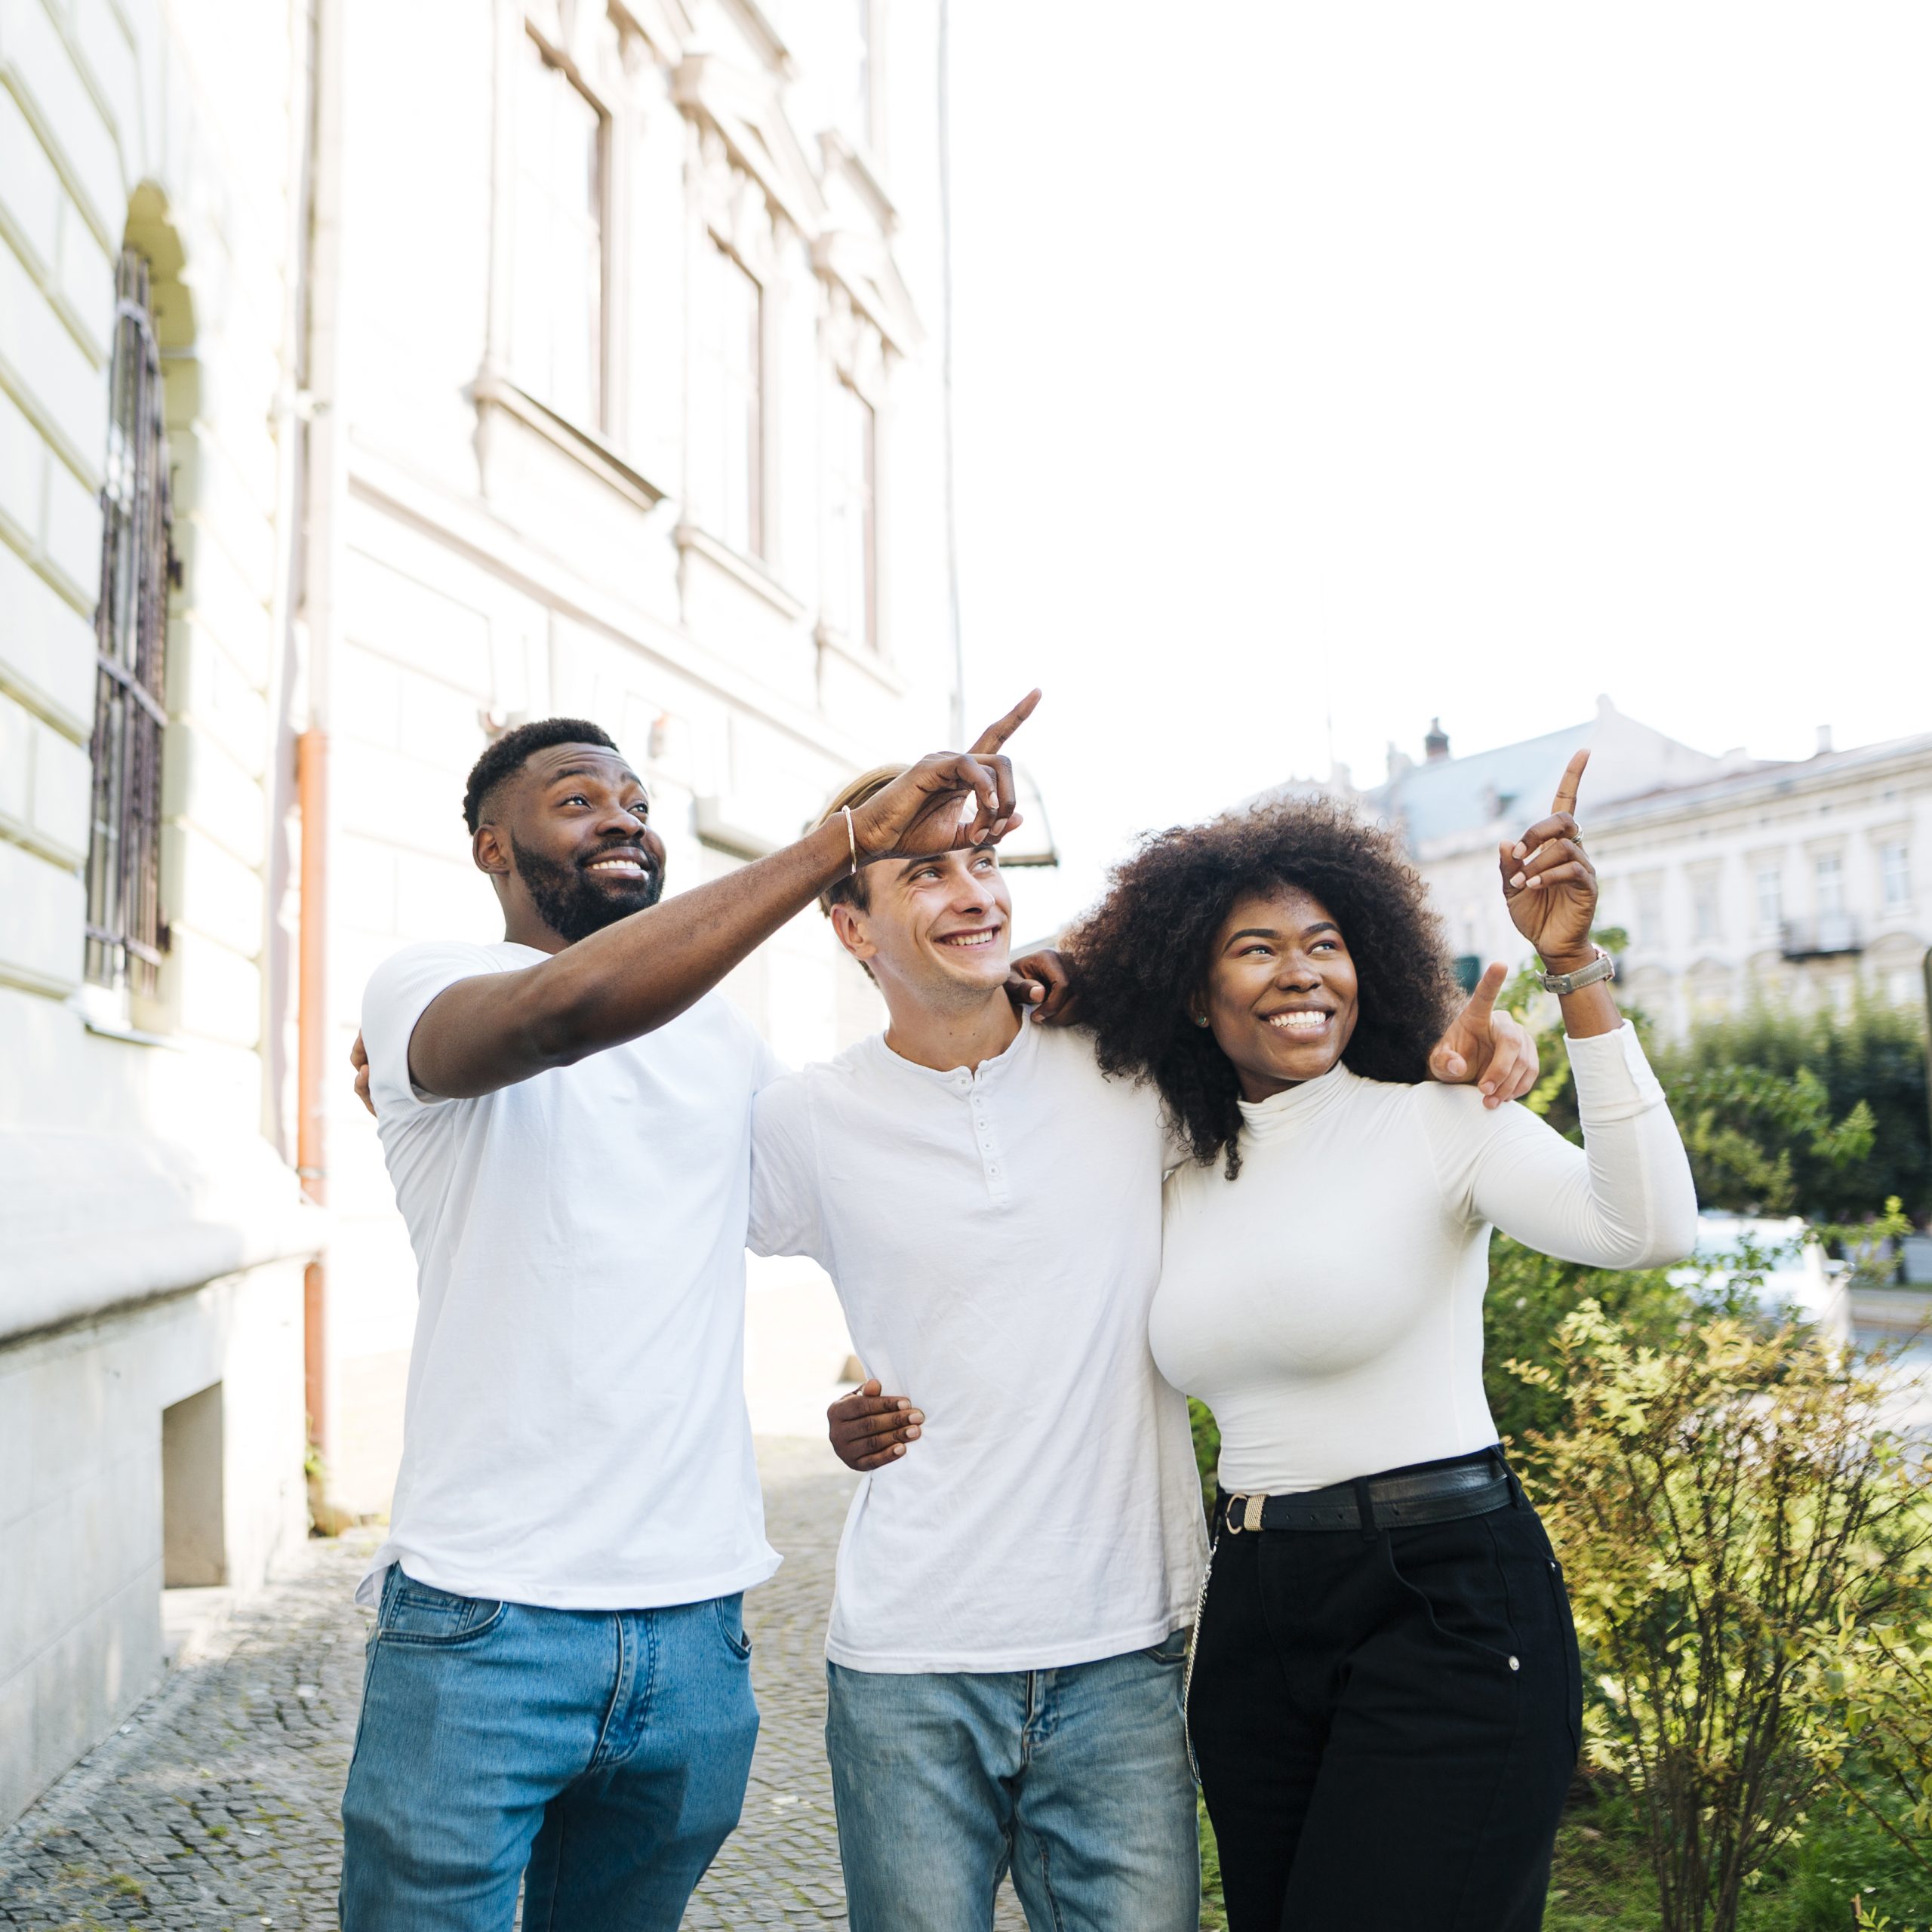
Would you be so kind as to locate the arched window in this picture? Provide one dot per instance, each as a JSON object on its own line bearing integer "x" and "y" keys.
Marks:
{"x": 126, "y": 935}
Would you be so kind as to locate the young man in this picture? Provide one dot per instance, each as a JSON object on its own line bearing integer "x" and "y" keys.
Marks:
{"x": 1010, "y": 1628}
{"x": 557, "y": 1677}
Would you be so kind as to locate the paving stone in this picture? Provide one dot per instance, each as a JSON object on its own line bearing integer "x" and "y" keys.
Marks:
{"x": 218, "y": 1805}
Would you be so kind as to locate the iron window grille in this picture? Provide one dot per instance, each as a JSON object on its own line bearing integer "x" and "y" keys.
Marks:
{"x": 126, "y": 935}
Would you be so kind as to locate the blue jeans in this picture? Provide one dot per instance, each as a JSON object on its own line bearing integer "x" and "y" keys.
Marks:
{"x": 605, "y": 1750}
{"x": 1076, "y": 1778}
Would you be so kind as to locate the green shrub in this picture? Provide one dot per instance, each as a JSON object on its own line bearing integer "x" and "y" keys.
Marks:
{"x": 1207, "y": 1448}
{"x": 1741, "y": 1538}
{"x": 1530, "y": 1296}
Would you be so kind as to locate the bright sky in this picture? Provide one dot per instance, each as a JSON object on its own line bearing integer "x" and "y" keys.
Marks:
{"x": 1362, "y": 363}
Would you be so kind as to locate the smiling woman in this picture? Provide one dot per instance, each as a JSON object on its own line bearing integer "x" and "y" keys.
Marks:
{"x": 1384, "y": 1632}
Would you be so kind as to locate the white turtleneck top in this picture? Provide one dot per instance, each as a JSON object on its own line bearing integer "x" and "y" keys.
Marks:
{"x": 1326, "y": 1305}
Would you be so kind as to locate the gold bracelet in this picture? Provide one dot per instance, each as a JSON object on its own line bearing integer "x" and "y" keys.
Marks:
{"x": 852, "y": 840}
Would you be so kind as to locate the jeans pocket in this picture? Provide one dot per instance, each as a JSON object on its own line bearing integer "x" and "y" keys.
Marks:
{"x": 730, "y": 1612}
{"x": 415, "y": 1613}
{"x": 1172, "y": 1649}
{"x": 1456, "y": 1578}
{"x": 1572, "y": 1661}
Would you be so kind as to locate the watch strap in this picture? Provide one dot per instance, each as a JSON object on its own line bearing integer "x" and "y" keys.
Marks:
{"x": 1603, "y": 967}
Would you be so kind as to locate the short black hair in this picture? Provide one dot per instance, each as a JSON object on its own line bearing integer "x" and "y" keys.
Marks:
{"x": 506, "y": 756}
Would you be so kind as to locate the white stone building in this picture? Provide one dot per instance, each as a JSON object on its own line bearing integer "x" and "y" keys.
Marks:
{"x": 628, "y": 405}
{"x": 1737, "y": 879}
{"x": 153, "y": 1236}
{"x": 574, "y": 356}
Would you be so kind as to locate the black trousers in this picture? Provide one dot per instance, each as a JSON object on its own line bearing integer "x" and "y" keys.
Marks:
{"x": 1385, "y": 1723}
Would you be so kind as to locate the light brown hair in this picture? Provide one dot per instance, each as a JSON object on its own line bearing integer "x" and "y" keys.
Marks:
{"x": 850, "y": 890}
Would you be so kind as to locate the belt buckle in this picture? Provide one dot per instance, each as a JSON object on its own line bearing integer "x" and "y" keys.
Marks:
{"x": 1244, "y": 1512}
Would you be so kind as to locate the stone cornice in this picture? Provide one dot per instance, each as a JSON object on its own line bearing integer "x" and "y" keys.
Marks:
{"x": 745, "y": 109}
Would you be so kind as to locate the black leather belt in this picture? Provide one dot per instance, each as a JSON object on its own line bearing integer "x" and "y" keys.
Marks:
{"x": 1393, "y": 1502}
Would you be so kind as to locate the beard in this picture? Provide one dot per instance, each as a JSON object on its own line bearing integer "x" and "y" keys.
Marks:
{"x": 572, "y": 903}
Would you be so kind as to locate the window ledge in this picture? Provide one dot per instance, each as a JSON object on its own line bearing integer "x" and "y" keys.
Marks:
{"x": 17, "y": 833}
{"x": 752, "y": 575}
{"x": 495, "y": 391}
{"x": 115, "y": 1029}
{"x": 833, "y": 643}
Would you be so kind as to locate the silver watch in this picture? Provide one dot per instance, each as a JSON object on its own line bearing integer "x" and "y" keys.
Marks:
{"x": 1562, "y": 984}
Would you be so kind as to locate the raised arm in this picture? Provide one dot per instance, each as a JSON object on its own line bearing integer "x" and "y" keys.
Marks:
{"x": 1626, "y": 1198}
{"x": 488, "y": 1032}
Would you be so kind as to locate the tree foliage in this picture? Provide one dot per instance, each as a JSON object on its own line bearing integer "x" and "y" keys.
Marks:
{"x": 1821, "y": 1114}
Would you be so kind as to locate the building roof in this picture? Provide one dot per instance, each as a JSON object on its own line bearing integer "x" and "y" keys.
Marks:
{"x": 1444, "y": 796}
{"x": 1636, "y": 773}
{"x": 1769, "y": 778}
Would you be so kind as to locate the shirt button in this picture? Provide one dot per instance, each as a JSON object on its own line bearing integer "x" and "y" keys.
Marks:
{"x": 1514, "y": 1664}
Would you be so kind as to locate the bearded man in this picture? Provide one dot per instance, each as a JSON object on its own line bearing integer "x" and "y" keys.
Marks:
{"x": 557, "y": 1691}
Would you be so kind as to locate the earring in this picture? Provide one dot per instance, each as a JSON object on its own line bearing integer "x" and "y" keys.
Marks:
{"x": 1199, "y": 1019}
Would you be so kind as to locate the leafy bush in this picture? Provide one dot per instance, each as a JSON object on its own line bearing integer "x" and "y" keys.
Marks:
{"x": 1531, "y": 1296}
{"x": 1732, "y": 1518}
{"x": 1206, "y": 1448}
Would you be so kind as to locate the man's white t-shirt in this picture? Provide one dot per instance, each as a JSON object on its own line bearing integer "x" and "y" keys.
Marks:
{"x": 575, "y": 1434}
{"x": 996, "y": 1240}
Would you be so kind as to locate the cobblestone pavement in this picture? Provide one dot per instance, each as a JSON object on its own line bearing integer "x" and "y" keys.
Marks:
{"x": 216, "y": 1805}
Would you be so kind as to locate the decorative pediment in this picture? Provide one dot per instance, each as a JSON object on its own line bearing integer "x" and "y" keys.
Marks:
{"x": 665, "y": 24}
{"x": 854, "y": 343}
{"x": 861, "y": 266}
{"x": 843, "y": 160}
{"x": 736, "y": 208}
{"x": 587, "y": 36}
{"x": 744, "y": 111}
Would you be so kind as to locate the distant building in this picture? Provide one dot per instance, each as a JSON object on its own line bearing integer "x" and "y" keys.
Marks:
{"x": 1736, "y": 878}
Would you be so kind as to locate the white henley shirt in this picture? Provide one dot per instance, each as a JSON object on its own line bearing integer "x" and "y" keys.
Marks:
{"x": 995, "y": 1239}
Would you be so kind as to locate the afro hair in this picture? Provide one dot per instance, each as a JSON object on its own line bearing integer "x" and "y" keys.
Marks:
{"x": 1142, "y": 953}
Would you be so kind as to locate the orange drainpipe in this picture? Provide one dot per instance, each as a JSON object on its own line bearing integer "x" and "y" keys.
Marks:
{"x": 311, "y": 772}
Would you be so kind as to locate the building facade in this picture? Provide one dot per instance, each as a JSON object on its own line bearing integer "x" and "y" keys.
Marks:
{"x": 373, "y": 378}
{"x": 155, "y": 1237}
{"x": 1735, "y": 880}
{"x": 629, "y": 406}
{"x": 1802, "y": 884}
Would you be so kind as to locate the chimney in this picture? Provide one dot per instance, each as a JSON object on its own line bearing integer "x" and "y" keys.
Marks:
{"x": 1824, "y": 739}
{"x": 1398, "y": 762}
{"x": 1436, "y": 746}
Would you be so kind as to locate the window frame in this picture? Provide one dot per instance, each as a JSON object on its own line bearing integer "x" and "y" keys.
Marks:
{"x": 1895, "y": 868}
{"x": 722, "y": 262}
{"x": 126, "y": 935}
{"x": 1706, "y": 909}
{"x": 845, "y": 489}
{"x": 603, "y": 383}
{"x": 1828, "y": 866}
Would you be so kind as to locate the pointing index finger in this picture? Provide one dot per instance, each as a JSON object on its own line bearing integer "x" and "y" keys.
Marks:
{"x": 995, "y": 735}
{"x": 1566, "y": 786}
